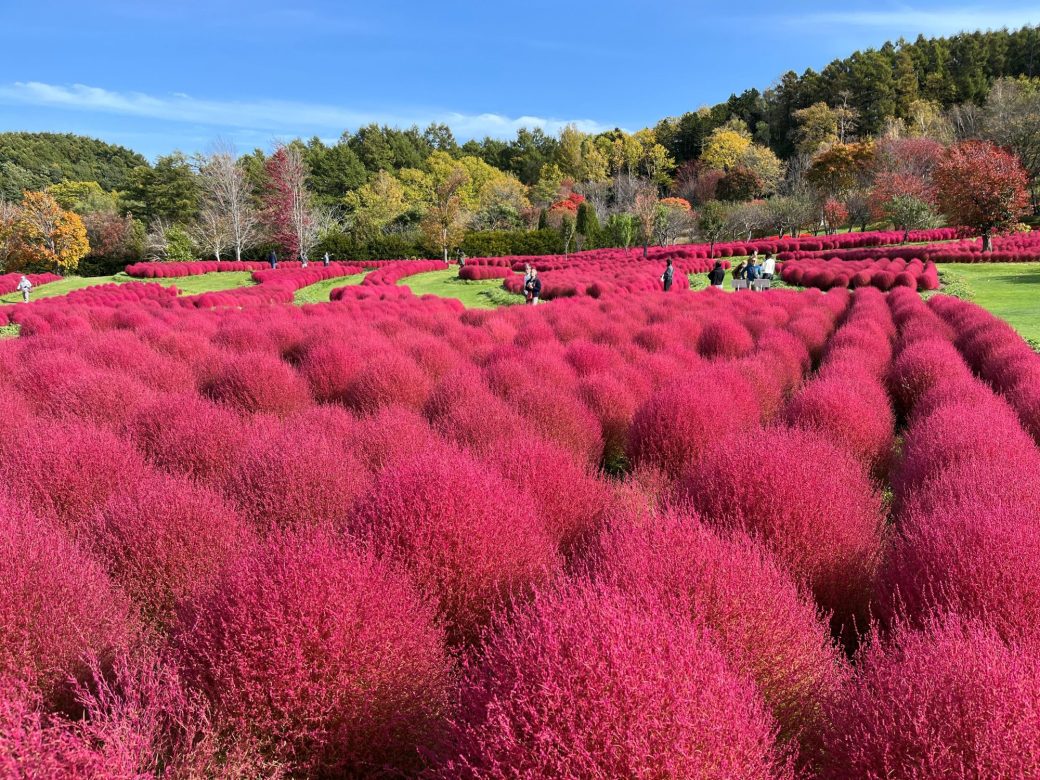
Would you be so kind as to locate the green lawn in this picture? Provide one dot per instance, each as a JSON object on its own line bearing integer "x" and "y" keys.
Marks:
{"x": 484, "y": 294}
{"x": 1009, "y": 290}
{"x": 319, "y": 292}
{"x": 188, "y": 285}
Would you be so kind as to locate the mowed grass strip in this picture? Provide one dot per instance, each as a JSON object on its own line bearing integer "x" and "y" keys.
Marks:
{"x": 319, "y": 292}
{"x": 1009, "y": 290}
{"x": 482, "y": 294}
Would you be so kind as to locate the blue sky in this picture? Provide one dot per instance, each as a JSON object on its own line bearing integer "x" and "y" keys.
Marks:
{"x": 157, "y": 75}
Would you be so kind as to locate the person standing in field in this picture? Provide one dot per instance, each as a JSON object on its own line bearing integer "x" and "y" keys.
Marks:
{"x": 717, "y": 275}
{"x": 272, "y": 258}
{"x": 668, "y": 276}
{"x": 769, "y": 266}
{"x": 24, "y": 287}
{"x": 326, "y": 260}
{"x": 533, "y": 288}
{"x": 753, "y": 271}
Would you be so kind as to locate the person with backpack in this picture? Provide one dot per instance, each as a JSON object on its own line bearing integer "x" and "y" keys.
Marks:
{"x": 24, "y": 287}
{"x": 668, "y": 276}
{"x": 717, "y": 275}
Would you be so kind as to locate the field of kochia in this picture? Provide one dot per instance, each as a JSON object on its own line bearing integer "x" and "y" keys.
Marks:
{"x": 622, "y": 534}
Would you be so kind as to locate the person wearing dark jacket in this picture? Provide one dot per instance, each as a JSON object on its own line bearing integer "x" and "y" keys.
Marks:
{"x": 272, "y": 258}
{"x": 668, "y": 276}
{"x": 740, "y": 272}
{"x": 717, "y": 275}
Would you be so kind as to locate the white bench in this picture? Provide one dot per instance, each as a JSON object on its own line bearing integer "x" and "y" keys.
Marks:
{"x": 740, "y": 284}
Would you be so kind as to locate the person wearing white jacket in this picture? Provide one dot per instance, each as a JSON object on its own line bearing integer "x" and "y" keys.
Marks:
{"x": 24, "y": 287}
{"x": 768, "y": 266}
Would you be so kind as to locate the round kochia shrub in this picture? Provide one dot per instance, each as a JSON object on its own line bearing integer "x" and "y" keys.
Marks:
{"x": 976, "y": 554}
{"x": 166, "y": 539}
{"x": 676, "y": 423}
{"x": 325, "y": 658}
{"x": 951, "y": 701}
{"x": 469, "y": 538}
{"x": 586, "y": 683}
{"x": 565, "y": 493}
{"x": 764, "y": 625}
{"x": 920, "y": 366}
{"x": 256, "y": 382}
{"x": 810, "y": 502}
{"x": 984, "y": 431}
{"x": 57, "y": 606}
{"x": 186, "y": 434}
{"x": 68, "y": 470}
{"x": 296, "y": 472}
{"x": 853, "y": 410}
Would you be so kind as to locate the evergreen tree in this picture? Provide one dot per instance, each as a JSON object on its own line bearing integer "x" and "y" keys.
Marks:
{"x": 587, "y": 224}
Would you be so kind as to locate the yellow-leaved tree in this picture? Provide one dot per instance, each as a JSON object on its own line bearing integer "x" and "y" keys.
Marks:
{"x": 725, "y": 147}
{"x": 46, "y": 237}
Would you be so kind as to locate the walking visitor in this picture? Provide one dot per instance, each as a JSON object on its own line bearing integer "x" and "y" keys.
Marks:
{"x": 24, "y": 287}
{"x": 668, "y": 276}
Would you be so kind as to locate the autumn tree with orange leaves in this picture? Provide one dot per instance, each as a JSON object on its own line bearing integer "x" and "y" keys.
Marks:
{"x": 44, "y": 237}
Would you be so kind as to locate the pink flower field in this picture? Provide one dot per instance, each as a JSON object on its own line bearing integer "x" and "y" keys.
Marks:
{"x": 623, "y": 534}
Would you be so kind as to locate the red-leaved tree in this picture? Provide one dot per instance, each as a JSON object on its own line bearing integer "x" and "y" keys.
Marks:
{"x": 287, "y": 203}
{"x": 982, "y": 186}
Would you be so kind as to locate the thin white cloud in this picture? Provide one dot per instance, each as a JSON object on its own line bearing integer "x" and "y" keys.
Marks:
{"x": 945, "y": 21}
{"x": 273, "y": 116}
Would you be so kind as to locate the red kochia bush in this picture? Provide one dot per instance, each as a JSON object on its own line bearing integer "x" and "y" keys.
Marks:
{"x": 587, "y": 684}
{"x": 296, "y": 473}
{"x": 675, "y": 424}
{"x": 325, "y": 658}
{"x": 256, "y": 382}
{"x": 469, "y": 537}
{"x": 68, "y": 470}
{"x": 724, "y": 337}
{"x": 811, "y": 503}
{"x": 952, "y": 702}
{"x": 391, "y": 379}
{"x": 853, "y": 410}
{"x": 57, "y": 606}
{"x": 187, "y": 434}
{"x": 976, "y": 554}
{"x": 764, "y": 626}
{"x": 920, "y": 366}
{"x": 166, "y": 539}
{"x": 565, "y": 493}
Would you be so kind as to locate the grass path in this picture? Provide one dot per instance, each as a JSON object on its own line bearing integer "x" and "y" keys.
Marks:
{"x": 319, "y": 291}
{"x": 483, "y": 294}
{"x": 1009, "y": 290}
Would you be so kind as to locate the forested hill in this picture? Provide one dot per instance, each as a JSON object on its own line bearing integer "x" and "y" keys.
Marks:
{"x": 31, "y": 161}
{"x": 876, "y": 83}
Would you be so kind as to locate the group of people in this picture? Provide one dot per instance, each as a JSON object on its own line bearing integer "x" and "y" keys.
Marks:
{"x": 532, "y": 285}
{"x": 755, "y": 268}
{"x": 272, "y": 260}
